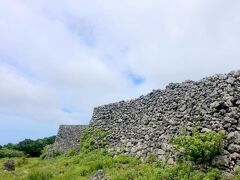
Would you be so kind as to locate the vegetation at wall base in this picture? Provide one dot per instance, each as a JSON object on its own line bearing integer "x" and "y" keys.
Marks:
{"x": 93, "y": 138}
{"x": 92, "y": 161}
{"x": 117, "y": 167}
{"x": 199, "y": 147}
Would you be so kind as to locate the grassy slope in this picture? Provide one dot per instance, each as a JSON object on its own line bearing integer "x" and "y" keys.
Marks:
{"x": 83, "y": 165}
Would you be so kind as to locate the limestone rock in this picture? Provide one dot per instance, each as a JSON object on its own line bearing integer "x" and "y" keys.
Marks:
{"x": 147, "y": 124}
{"x": 221, "y": 161}
{"x": 68, "y": 137}
{"x": 99, "y": 175}
{"x": 234, "y": 148}
{"x": 9, "y": 165}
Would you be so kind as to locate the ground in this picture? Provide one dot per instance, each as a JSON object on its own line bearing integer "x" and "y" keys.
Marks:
{"x": 73, "y": 165}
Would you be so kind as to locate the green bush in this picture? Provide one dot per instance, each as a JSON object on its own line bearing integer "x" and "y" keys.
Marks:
{"x": 85, "y": 164}
{"x": 199, "y": 147}
{"x": 34, "y": 148}
{"x": 22, "y": 161}
{"x": 44, "y": 153}
{"x": 92, "y": 138}
{"x": 84, "y": 170}
{"x": 237, "y": 173}
{"x": 71, "y": 152}
{"x": 40, "y": 175}
{"x": 31, "y": 147}
{"x": 213, "y": 174}
{"x": 4, "y": 152}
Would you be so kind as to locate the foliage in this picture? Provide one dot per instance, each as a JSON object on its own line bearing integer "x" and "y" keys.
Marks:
{"x": 93, "y": 157}
{"x": 10, "y": 146}
{"x": 31, "y": 147}
{"x": 84, "y": 164}
{"x": 152, "y": 158}
{"x": 237, "y": 173}
{"x": 23, "y": 160}
{"x": 71, "y": 152}
{"x": 92, "y": 138}
{"x": 34, "y": 148}
{"x": 40, "y": 175}
{"x": 199, "y": 147}
{"x": 44, "y": 153}
{"x": 4, "y": 152}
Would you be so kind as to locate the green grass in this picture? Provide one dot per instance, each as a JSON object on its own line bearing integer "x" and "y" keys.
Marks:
{"x": 4, "y": 152}
{"x": 83, "y": 165}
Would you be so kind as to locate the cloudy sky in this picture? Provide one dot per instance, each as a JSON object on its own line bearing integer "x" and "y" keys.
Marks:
{"x": 61, "y": 58}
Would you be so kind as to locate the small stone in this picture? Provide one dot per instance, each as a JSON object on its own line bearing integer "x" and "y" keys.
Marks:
{"x": 227, "y": 125}
{"x": 234, "y": 137}
{"x": 237, "y": 102}
{"x": 9, "y": 165}
{"x": 120, "y": 120}
{"x": 160, "y": 152}
{"x": 129, "y": 144}
{"x": 234, "y": 148}
{"x": 183, "y": 108}
{"x": 147, "y": 137}
{"x": 230, "y": 80}
{"x": 205, "y": 130}
{"x": 222, "y": 76}
{"x": 235, "y": 155}
{"x": 221, "y": 161}
{"x": 214, "y": 104}
{"x": 165, "y": 146}
{"x": 170, "y": 161}
{"x": 99, "y": 175}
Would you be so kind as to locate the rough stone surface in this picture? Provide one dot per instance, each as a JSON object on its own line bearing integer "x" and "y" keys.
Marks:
{"x": 146, "y": 124}
{"x": 99, "y": 175}
{"x": 68, "y": 137}
{"x": 9, "y": 165}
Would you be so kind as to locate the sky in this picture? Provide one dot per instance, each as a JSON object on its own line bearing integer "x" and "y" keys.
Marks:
{"x": 61, "y": 58}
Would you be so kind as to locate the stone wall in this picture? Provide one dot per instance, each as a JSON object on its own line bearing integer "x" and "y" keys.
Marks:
{"x": 146, "y": 124}
{"x": 68, "y": 137}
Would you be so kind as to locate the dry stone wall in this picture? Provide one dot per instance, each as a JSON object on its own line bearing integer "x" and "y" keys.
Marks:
{"x": 146, "y": 124}
{"x": 68, "y": 137}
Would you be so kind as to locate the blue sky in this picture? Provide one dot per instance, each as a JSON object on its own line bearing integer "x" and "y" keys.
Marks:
{"x": 60, "y": 59}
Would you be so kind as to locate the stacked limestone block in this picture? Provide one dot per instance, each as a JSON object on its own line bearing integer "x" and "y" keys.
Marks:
{"x": 68, "y": 137}
{"x": 147, "y": 123}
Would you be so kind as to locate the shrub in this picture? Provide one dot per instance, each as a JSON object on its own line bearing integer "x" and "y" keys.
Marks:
{"x": 4, "y": 152}
{"x": 40, "y": 175}
{"x": 84, "y": 170}
{"x": 9, "y": 165}
{"x": 152, "y": 158}
{"x": 44, "y": 153}
{"x": 237, "y": 173}
{"x": 31, "y": 147}
{"x": 199, "y": 147}
{"x": 34, "y": 148}
{"x": 22, "y": 161}
{"x": 71, "y": 152}
{"x": 92, "y": 138}
{"x": 213, "y": 173}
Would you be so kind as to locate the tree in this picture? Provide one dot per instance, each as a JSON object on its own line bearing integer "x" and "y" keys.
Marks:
{"x": 31, "y": 147}
{"x": 199, "y": 147}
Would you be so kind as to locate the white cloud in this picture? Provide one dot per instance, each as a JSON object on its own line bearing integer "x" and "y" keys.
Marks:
{"x": 73, "y": 55}
{"x": 23, "y": 96}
